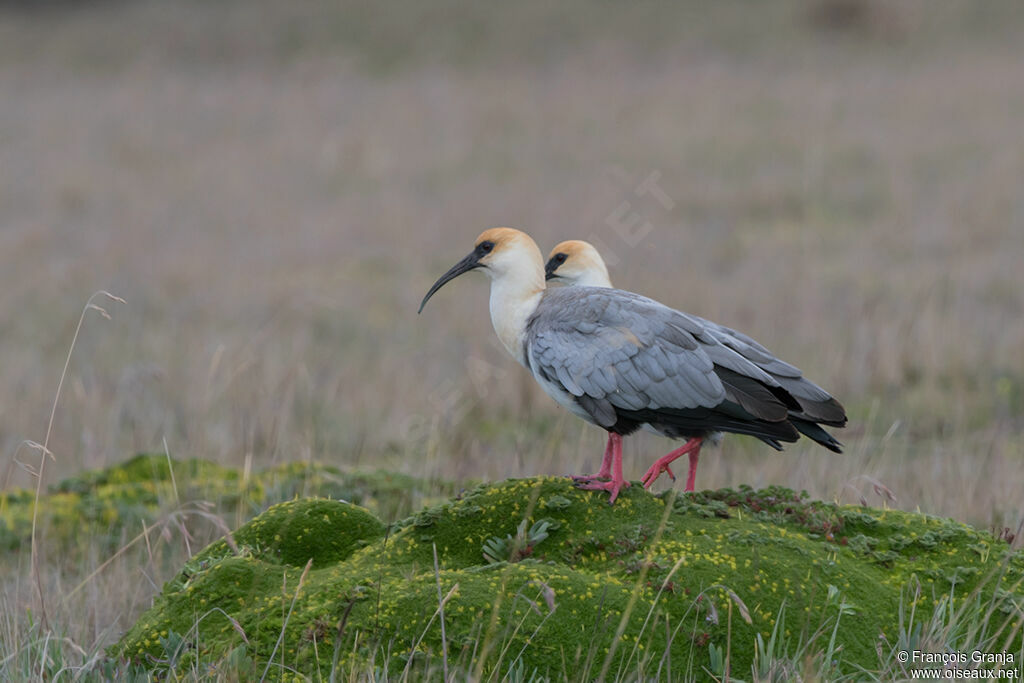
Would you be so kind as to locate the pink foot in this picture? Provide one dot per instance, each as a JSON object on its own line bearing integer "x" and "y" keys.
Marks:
{"x": 691, "y": 447}
{"x": 612, "y": 462}
{"x": 589, "y": 478}
{"x": 652, "y": 474}
{"x": 612, "y": 487}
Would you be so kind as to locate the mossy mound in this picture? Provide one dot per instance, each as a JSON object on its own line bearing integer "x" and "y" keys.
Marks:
{"x": 112, "y": 503}
{"x": 296, "y": 534}
{"x": 537, "y": 576}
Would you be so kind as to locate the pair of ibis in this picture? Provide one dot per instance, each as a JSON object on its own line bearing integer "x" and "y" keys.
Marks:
{"x": 623, "y": 361}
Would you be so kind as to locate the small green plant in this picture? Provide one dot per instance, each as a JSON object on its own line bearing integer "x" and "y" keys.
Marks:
{"x": 769, "y": 656}
{"x": 174, "y": 646}
{"x": 716, "y": 657}
{"x": 513, "y": 549}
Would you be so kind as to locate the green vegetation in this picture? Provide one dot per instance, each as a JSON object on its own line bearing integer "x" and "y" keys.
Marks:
{"x": 697, "y": 584}
{"x": 113, "y": 504}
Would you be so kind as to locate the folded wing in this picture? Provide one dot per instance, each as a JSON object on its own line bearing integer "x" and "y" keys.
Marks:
{"x": 629, "y": 360}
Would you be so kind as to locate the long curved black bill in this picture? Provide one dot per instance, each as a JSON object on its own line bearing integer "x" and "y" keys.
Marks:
{"x": 464, "y": 266}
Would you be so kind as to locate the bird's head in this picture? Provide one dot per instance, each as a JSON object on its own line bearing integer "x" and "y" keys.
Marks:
{"x": 502, "y": 254}
{"x": 575, "y": 262}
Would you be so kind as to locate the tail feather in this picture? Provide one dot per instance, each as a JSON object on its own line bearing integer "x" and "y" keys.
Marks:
{"x": 814, "y": 432}
{"x": 825, "y": 410}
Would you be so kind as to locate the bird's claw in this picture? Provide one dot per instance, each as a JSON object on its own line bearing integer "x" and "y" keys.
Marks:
{"x": 613, "y": 487}
{"x": 590, "y": 478}
{"x": 652, "y": 474}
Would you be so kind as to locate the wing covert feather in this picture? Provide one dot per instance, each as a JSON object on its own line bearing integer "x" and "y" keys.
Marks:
{"x": 614, "y": 346}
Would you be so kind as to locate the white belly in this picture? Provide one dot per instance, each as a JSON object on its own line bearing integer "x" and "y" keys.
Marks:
{"x": 561, "y": 396}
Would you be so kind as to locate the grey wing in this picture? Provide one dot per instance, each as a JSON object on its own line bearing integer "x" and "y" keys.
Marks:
{"x": 611, "y": 351}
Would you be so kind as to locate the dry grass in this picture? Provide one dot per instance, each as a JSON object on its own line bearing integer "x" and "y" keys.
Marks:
{"x": 273, "y": 192}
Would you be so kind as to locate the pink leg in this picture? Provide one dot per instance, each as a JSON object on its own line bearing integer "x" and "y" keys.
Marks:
{"x": 617, "y": 483}
{"x": 692, "y": 475}
{"x": 662, "y": 464}
{"x": 606, "y": 465}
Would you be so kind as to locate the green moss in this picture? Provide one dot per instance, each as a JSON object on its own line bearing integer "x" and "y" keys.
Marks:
{"x": 625, "y": 587}
{"x": 324, "y": 531}
{"x": 113, "y": 503}
{"x": 145, "y": 468}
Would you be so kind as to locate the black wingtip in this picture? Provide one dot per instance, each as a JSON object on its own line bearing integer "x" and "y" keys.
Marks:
{"x": 814, "y": 432}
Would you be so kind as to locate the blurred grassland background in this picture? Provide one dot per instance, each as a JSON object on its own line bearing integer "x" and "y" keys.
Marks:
{"x": 272, "y": 187}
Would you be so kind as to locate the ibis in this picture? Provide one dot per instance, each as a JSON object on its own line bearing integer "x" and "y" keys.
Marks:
{"x": 623, "y": 361}
{"x": 578, "y": 263}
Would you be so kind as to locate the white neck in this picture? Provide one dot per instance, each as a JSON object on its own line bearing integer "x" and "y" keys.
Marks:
{"x": 594, "y": 277}
{"x": 513, "y": 301}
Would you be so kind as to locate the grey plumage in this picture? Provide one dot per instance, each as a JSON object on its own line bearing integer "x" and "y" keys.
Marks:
{"x": 815, "y": 404}
{"x": 623, "y": 360}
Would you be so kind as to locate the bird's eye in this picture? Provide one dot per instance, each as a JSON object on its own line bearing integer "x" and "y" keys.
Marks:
{"x": 560, "y": 258}
{"x": 485, "y": 247}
